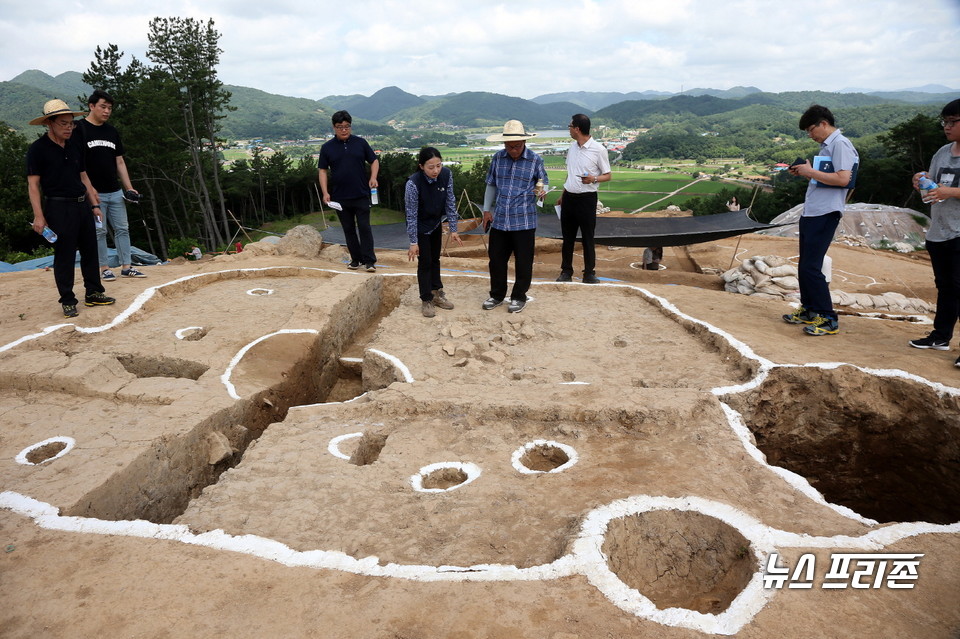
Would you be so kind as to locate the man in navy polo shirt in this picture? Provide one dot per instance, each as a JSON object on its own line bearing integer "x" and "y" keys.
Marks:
{"x": 61, "y": 197}
{"x": 342, "y": 164}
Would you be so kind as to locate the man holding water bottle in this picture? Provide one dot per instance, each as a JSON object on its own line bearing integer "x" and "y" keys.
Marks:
{"x": 345, "y": 158}
{"x": 587, "y": 166}
{"x": 61, "y": 197}
{"x": 943, "y": 236}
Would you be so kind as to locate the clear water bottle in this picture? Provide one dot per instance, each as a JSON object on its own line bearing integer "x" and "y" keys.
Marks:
{"x": 926, "y": 185}
{"x": 49, "y": 235}
{"x": 374, "y": 198}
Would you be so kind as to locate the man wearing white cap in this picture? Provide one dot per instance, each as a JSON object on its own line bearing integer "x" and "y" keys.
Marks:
{"x": 515, "y": 180}
{"x": 59, "y": 191}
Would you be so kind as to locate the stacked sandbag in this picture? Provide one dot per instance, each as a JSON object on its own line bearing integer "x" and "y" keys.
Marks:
{"x": 772, "y": 276}
{"x": 769, "y": 276}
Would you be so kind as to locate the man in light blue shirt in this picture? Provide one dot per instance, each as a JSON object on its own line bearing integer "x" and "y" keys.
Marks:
{"x": 832, "y": 176}
{"x": 515, "y": 180}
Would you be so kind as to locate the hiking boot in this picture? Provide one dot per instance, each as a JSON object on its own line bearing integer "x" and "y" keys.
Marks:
{"x": 427, "y": 308}
{"x": 930, "y": 341}
{"x": 565, "y": 277}
{"x": 822, "y": 326}
{"x": 491, "y": 303}
{"x": 516, "y": 306}
{"x": 371, "y": 268}
{"x": 98, "y": 299}
{"x": 131, "y": 272}
{"x": 590, "y": 279}
{"x": 353, "y": 266}
{"x": 70, "y": 310}
{"x": 107, "y": 275}
{"x": 801, "y": 316}
{"x": 440, "y": 300}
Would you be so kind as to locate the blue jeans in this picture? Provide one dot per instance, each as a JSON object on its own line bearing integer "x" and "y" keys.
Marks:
{"x": 113, "y": 211}
{"x": 816, "y": 233}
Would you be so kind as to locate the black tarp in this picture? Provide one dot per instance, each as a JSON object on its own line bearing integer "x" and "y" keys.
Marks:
{"x": 661, "y": 231}
{"x": 611, "y": 231}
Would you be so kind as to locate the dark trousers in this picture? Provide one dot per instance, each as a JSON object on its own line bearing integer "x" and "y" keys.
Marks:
{"x": 578, "y": 212}
{"x": 502, "y": 245}
{"x": 73, "y": 224}
{"x": 428, "y": 263}
{"x": 355, "y": 220}
{"x": 945, "y": 259}
{"x": 816, "y": 233}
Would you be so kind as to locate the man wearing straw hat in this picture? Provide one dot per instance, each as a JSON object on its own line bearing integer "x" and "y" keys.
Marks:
{"x": 515, "y": 180}
{"x": 61, "y": 197}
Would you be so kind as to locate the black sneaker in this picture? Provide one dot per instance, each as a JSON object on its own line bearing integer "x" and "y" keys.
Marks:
{"x": 516, "y": 306}
{"x": 371, "y": 268}
{"x": 491, "y": 303}
{"x": 822, "y": 326}
{"x": 353, "y": 266}
{"x": 98, "y": 299}
{"x": 957, "y": 363}
{"x": 70, "y": 310}
{"x": 801, "y": 316}
{"x": 930, "y": 341}
{"x": 565, "y": 277}
{"x": 590, "y": 279}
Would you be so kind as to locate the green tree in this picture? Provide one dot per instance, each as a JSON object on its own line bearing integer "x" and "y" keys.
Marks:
{"x": 188, "y": 51}
{"x": 15, "y": 212}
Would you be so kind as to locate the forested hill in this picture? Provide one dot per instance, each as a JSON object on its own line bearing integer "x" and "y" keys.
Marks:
{"x": 698, "y": 111}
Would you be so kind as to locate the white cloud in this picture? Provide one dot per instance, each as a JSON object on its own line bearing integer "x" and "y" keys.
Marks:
{"x": 524, "y": 49}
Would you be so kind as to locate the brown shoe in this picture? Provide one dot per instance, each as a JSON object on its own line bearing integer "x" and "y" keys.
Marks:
{"x": 427, "y": 309}
{"x": 440, "y": 300}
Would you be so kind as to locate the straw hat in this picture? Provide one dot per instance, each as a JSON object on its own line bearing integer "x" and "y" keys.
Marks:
{"x": 54, "y": 108}
{"x": 512, "y": 131}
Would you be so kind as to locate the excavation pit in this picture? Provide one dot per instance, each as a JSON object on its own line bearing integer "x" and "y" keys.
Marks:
{"x": 680, "y": 559}
{"x": 541, "y": 456}
{"x": 885, "y": 447}
{"x": 143, "y": 366}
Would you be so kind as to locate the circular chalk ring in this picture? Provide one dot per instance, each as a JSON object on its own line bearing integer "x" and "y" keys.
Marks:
{"x": 22, "y": 456}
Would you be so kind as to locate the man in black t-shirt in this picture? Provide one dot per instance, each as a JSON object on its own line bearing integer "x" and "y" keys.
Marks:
{"x": 103, "y": 151}
{"x": 59, "y": 191}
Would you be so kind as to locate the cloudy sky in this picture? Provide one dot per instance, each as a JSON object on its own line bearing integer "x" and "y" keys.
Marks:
{"x": 524, "y": 48}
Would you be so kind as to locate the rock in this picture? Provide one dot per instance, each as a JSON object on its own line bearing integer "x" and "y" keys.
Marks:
{"x": 301, "y": 241}
{"x": 457, "y": 331}
{"x": 493, "y": 357}
{"x": 568, "y": 376}
{"x": 218, "y": 448}
{"x": 460, "y": 363}
{"x": 450, "y": 348}
{"x": 465, "y": 349}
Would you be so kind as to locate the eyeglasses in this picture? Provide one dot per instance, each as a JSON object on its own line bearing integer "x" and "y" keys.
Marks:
{"x": 342, "y": 127}
{"x": 949, "y": 123}
{"x": 67, "y": 124}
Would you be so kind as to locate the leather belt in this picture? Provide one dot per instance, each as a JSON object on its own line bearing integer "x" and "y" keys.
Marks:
{"x": 67, "y": 199}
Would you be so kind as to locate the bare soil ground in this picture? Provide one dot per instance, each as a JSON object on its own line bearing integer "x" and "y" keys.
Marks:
{"x": 279, "y": 447}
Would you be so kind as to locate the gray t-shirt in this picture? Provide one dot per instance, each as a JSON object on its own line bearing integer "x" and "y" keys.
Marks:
{"x": 945, "y": 171}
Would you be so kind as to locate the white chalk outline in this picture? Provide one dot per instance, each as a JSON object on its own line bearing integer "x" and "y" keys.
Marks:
{"x": 228, "y": 373}
{"x": 180, "y": 333}
{"x": 741, "y": 611}
{"x": 334, "y": 446}
{"x": 69, "y": 442}
{"x": 266, "y": 291}
{"x": 572, "y": 457}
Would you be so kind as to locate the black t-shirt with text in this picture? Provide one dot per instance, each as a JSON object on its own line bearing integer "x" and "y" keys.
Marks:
{"x": 101, "y": 146}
